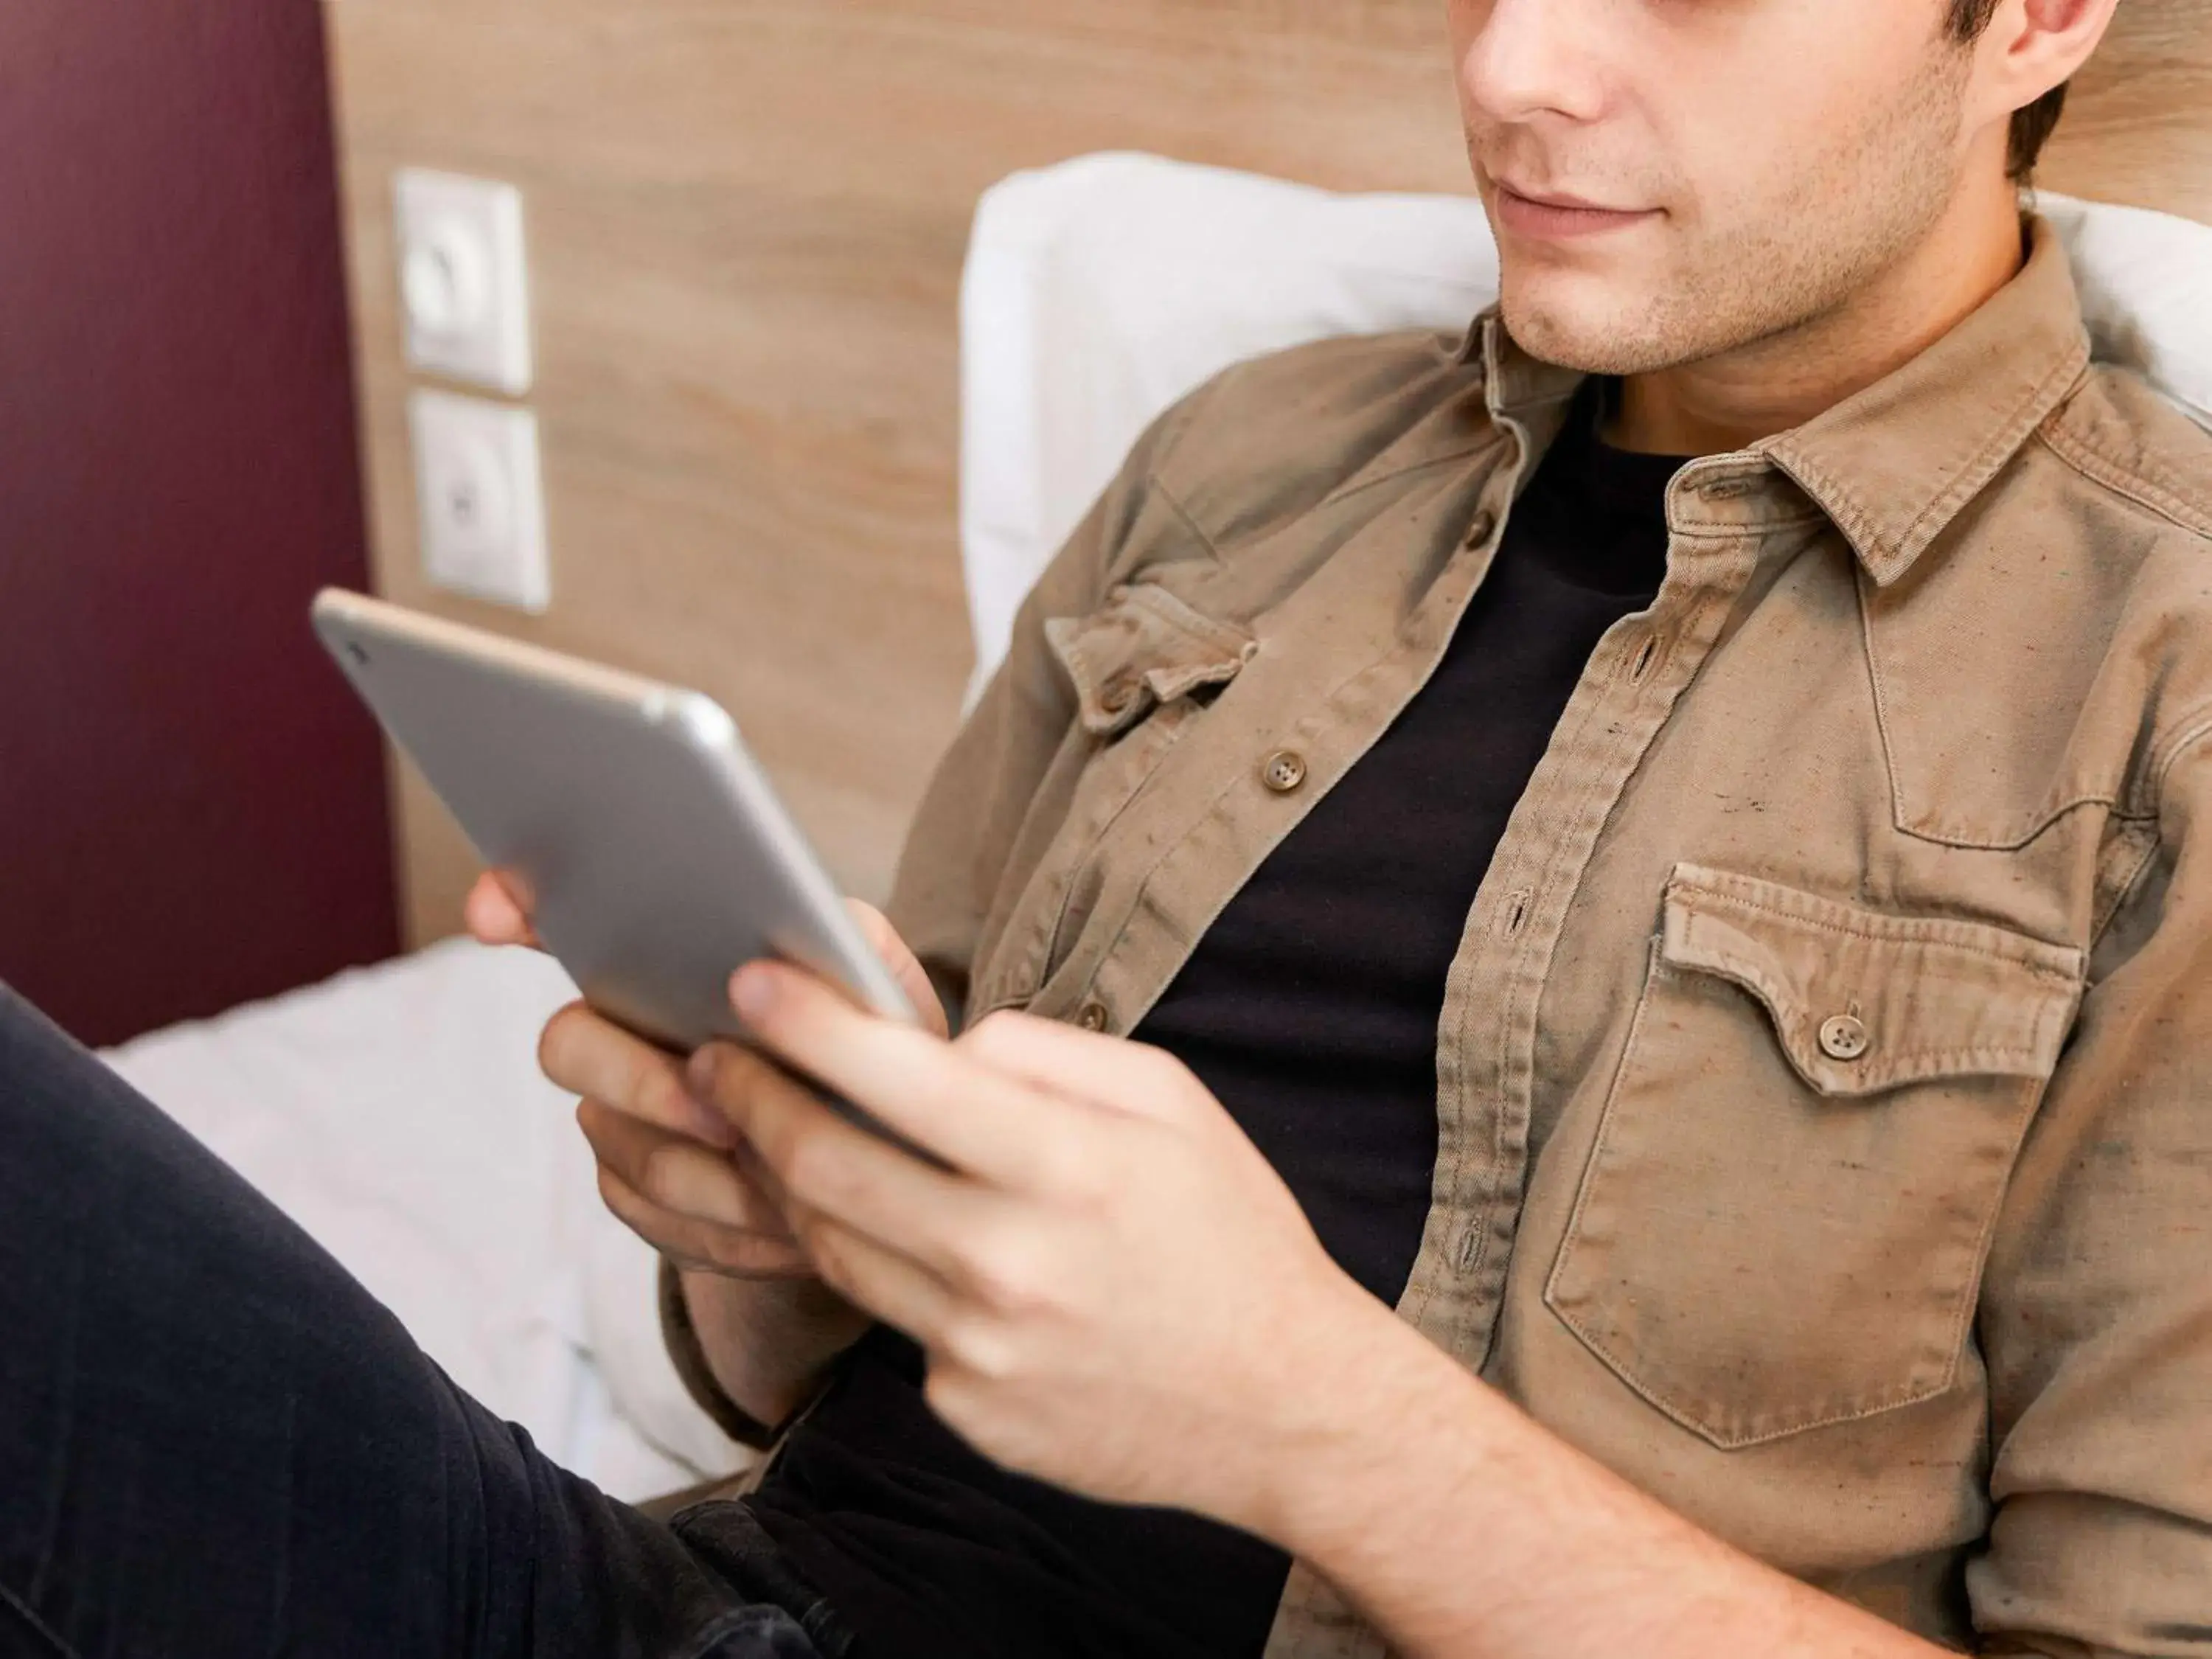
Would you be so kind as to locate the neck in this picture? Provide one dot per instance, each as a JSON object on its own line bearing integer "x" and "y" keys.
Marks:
{"x": 1728, "y": 401}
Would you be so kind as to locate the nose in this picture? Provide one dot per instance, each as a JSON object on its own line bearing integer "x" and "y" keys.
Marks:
{"x": 1534, "y": 57}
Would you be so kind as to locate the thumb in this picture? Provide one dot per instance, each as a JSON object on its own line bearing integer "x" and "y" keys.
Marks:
{"x": 906, "y": 967}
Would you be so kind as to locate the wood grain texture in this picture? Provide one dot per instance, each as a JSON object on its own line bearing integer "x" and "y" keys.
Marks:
{"x": 746, "y": 222}
{"x": 2138, "y": 124}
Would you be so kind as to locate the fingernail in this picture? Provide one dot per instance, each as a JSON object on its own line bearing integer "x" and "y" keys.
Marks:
{"x": 707, "y": 1123}
{"x": 699, "y": 1071}
{"x": 752, "y": 992}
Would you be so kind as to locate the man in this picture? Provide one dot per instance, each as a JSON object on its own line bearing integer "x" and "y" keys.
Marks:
{"x": 1652, "y": 863}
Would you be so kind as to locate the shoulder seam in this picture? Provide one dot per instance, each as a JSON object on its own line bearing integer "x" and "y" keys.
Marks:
{"x": 1159, "y": 487}
{"x": 2100, "y": 468}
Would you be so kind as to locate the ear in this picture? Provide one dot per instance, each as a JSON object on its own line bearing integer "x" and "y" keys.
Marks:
{"x": 2033, "y": 46}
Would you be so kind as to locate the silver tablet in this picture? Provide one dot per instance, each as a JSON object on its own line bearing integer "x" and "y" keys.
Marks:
{"x": 657, "y": 855}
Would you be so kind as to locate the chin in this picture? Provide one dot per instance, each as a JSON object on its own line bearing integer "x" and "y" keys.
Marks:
{"x": 1580, "y": 320}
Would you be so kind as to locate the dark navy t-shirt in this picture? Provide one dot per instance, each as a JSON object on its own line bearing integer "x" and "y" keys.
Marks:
{"x": 1309, "y": 1008}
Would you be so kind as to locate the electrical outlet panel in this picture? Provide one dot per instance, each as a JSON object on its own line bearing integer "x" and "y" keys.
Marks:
{"x": 463, "y": 279}
{"x": 480, "y": 498}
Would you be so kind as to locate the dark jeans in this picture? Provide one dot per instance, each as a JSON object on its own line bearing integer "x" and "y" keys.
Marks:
{"x": 213, "y": 1441}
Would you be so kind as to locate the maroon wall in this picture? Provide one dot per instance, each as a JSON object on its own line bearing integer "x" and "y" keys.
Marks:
{"x": 191, "y": 807}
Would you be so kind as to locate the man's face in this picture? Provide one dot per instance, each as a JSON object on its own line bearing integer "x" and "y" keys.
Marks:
{"x": 1766, "y": 160}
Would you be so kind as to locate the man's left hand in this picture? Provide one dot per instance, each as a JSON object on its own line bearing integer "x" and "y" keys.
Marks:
{"x": 1114, "y": 1290}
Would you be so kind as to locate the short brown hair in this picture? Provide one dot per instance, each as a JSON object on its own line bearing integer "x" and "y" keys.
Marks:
{"x": 2031, "y": 126}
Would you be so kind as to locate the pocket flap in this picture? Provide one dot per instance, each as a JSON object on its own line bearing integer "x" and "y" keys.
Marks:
{"x": 1862, "y": 1001}
{"x": 1143, "y": 647}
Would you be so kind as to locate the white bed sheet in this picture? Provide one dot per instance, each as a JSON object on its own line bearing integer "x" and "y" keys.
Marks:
{"x": 398, "y": 1115}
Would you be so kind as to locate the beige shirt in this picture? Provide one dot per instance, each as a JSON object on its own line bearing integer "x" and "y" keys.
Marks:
{"x": 1823, "y": 1084}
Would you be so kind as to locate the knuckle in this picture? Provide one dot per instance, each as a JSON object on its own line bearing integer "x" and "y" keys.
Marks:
{"x": 990, "y": 1037}
{"x": 980, "y": 1347}
{"x": 953, "y": 1391}
{"x": 660, "y": 1177}
{"x": 1073, "y": 1173}
{"x": 1001, "y": 1274}
{"x": 659, "y": 1094}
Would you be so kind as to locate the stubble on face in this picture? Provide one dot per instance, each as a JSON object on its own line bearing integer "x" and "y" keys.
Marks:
{"x": 1762, "y": 256}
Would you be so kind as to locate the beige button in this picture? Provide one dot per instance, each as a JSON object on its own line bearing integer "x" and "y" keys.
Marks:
{"x": 1844, "y": 1037}
{"x": 1283, "y": 771}
{"x": 1093, "y": 1017}
{"x": 1118, "y": 693}
{"x": 1480, "y": 531}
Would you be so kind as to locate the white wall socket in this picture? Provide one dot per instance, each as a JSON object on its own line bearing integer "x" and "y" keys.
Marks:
{"x": 463, "y": 279}
{"x": 480, "y": 498}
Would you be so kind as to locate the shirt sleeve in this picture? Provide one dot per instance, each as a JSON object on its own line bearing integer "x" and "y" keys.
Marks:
{"x": 2096, "y": 1316}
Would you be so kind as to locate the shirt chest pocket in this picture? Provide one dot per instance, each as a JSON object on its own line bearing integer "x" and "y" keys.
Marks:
{"x": 1145, "y": 649}
{"x": 1141, "y": 667}
{"x": 1783, "y": 1220}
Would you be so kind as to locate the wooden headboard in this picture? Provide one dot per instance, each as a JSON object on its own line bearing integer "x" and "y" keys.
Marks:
{"x": 746, "y": 222}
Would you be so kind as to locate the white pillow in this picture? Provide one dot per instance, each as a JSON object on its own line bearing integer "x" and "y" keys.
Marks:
{"x": 2146, "y": 284}
{"x": 1100, "y": 291}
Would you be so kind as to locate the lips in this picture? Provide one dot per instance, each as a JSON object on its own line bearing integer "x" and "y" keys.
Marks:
{"x": 1551, "y": 215}
{"x": 1552, "y": 199}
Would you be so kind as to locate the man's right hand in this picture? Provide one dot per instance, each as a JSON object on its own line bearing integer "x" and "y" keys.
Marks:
{"x": 673, "y": 1170}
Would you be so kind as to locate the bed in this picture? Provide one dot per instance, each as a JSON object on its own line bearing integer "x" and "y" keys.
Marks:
{"x": 396, "y": 1111}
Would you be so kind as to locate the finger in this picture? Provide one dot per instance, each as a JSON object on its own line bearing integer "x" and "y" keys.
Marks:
{"x": 701, "y": 1245}
{"x": 719, "y": 1085}
{"x": 889, "y": 1284}
{"x": 1006, "y": 1131}
{"x": 497, "y": 910}
{"x": 906, "y": 967}
{"x": 1102, "y": 1071}
{"x": 677, "y": 1174}
{"x": 823, "y": 1164}
{"x": 589, "y": 1054}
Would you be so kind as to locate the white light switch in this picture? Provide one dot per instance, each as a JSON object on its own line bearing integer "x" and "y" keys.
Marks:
{"x": 482, "y": 504}
{"x": 463, "y": 280}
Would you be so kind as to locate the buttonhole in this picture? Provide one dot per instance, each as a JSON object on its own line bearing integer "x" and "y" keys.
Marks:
{"x": 1518, "y": 913}
{"x": 1643, "y": 656}
{"x": 1470, "y": 1247}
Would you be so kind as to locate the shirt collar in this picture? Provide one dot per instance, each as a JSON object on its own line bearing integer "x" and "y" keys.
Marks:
{"x": 1892, "y": 465}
